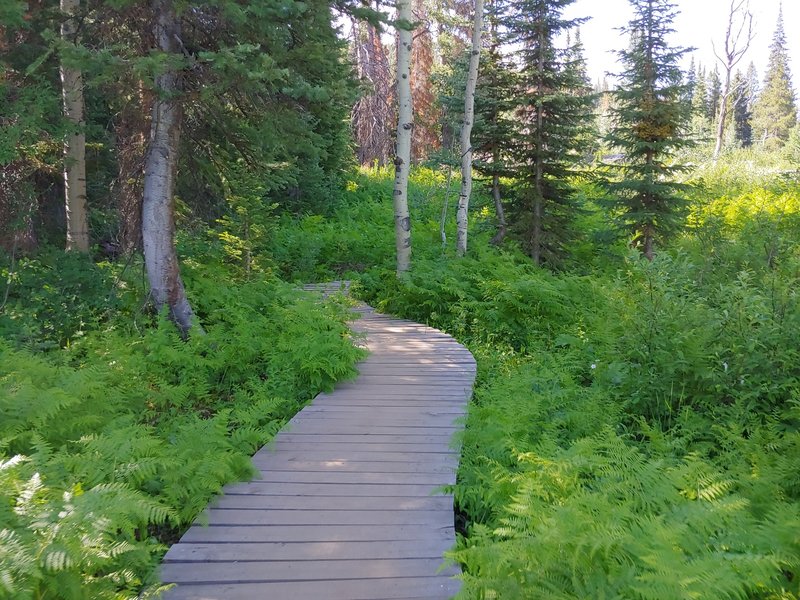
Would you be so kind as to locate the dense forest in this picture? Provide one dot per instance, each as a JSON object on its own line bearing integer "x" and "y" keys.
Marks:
{"x": 622, "y": 258}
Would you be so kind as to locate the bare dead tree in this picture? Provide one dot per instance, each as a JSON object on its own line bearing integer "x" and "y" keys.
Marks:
{"x": 738, "y": 36}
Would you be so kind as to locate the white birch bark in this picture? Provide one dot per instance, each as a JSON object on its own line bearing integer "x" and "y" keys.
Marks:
{"x": 158, "y": 204}
{"x": 466, "y": 132}
{"x": 75, "y": 145}
{"x": 405, "y": 125}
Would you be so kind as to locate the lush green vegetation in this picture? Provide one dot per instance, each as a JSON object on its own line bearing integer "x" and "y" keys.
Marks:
{"x": 116, "y": 432}
{"x": 635, "y": 431}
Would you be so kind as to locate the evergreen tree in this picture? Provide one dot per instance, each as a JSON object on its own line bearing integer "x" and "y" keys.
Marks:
{"x": 650, "y": 117}
{"x": 700, "y": 125}
{"x": 691, "y": 81}
{"x": 495, "y": 99}
{"x": 742, "y": 113}
{"x": 554, "y": 107}
{"x": 714, "y": 96}
{"x": 775, "y": 111}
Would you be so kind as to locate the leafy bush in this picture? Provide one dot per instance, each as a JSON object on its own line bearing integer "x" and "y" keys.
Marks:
{"x": 112, "y": 445}
{"x": 634, "y": 433}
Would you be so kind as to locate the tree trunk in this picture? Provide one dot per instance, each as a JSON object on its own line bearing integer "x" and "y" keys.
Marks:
{"x": 536, "y": 233}
{"x": 373, "y": 114}
{"x": 466, "y": 132}
{"x": 131, "y": 135}
{"x": 158, "y": 204}
{"x": 723, "y": 115}
{"x": 734, "y": 50}
{"x": 75, "y": 146}
{"x": 405, "y": 124}
{"x": 498, "y": 237}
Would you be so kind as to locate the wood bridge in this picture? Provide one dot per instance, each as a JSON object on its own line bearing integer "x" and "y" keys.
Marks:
{"x": 346, "y": 505}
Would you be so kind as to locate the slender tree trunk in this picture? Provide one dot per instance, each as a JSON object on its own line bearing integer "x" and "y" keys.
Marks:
{"x": 740, "y": 23}
{"x": 131, "y": 134}
{"x": 466, "y": 132}
{"x": 723, "y": 115}
{"x": 538, "y": 199}
{"x": 498, "y": 237}
{"x": 158, "y": 205}
{"x": 75, "y": 147}
{"x": 648, "y": 246}
{"x": 405, "y": 125}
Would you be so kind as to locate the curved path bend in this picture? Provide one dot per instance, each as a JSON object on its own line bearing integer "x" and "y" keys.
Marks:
{"x": 346, "y": 504}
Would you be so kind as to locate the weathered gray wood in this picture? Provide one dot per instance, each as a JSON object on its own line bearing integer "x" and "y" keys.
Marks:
{"x": 330, "y": 489}
{"x": 280, "y": 463}
{"x": 253, "y": 516}
{"x": 408, "y": 588}
{"x": 445, "y": 457}
{"x": 342, "y": 427}
{"x": 362, "y": 477}
{"x": 304, "y": 438}
{"x": 358, "y": 503}
{"x": 315, "y": 533}
{"x": 247, "y": 572}
{"x": 261, "y": 551}
{"x": 347, "y": 503}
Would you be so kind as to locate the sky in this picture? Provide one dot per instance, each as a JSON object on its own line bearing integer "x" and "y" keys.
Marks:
{"x": 699, "y": 22}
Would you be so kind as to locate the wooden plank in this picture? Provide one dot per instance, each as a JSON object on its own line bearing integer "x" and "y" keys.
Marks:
{"x": 261, "y": 551}
{"x": 366, "y": 418}
{"x": 342, "y": 401}
{"x": 304, "y": 438}
{"x": 316, "y": 533}
{"x": 398, "y": 588}
{"x": 277, "y": 462}
{"x": 457, "y": 396}
{"x": 313, "y": 570}
{"x": 433, "y": 370}
{"x": 330, "y": 489}
{"x": 341, "y": 427}
{"x": 395, "y": 503}
{"x": 434, "y": 479}
{"x": 338, "y": 411}
{"x": 348, "y": 502}
{"x": 445, "y": 457}
{"x": 320, "y": 446}
{"x": 237, "y": 516}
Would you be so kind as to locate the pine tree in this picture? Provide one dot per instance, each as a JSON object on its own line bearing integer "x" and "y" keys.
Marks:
{"x": 650, "y": 117}
{"x": 775, "y": 111}
{"x": 700, "y": 125}
{"x": 714, "y": 96}
{"x": 495, "y": 99}
{"x": 741, "y": 101}
{"x": 554, "y": 108}
{"x": 691, "y": 81}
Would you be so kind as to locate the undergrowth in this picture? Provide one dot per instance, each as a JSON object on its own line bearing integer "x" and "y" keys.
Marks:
{"x": 116, "y": 432}
{"x": 635, "y": 432}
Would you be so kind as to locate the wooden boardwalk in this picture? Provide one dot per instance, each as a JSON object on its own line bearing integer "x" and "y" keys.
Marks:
{"x": 345, "y": 506}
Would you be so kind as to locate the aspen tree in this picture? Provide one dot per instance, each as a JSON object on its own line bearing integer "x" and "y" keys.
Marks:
{"x": 466, "y": 132}
{"x": 75, "y": 146}
{"x": 405, "y": 125}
